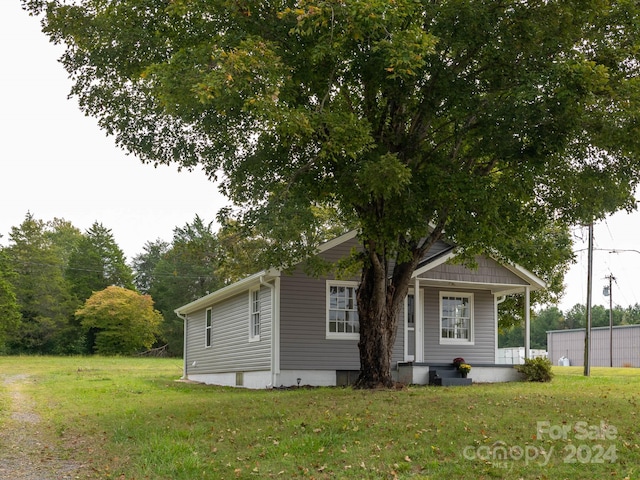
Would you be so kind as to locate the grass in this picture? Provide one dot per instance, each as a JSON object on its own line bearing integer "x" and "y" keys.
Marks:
{"x": 129, "y": 419}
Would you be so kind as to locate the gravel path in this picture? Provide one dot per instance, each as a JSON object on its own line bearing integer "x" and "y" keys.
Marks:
{"x": 24, "y": 454}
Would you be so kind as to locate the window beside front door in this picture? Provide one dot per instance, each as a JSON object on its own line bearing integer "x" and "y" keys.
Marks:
{"x": 342, "y": 310}
{"x": 456, "y": 318}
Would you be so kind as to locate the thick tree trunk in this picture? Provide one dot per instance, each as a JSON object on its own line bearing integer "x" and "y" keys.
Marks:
{"x": 379, "y": 300}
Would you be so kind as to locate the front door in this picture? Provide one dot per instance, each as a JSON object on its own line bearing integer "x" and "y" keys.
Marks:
{"x": 410, "y": 328}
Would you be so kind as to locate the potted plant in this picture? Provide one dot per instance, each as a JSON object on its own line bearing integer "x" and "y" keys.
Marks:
{"x": 464, "y": 369}
{"x": 458, "y": 361}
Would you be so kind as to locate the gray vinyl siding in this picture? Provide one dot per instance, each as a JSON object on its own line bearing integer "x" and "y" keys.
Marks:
{"x": 483, "y": 349}
{"x": 488, "y": 271}
{"x": 231, "y": 350}
{"x": 303, "y": 320}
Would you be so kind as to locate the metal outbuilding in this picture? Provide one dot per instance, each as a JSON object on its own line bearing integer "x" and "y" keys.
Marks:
{"x": 569, "y": 344}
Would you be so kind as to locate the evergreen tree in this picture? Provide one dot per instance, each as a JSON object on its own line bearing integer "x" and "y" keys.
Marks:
{"x": 9, "y": 309}
{"x": 187, "y": 271}
{"x": 97, "y": 263}
{"x": 42, "y": 293}
{"x": 145, "y": 263}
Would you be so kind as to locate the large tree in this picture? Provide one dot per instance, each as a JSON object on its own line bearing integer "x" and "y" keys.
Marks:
{"x": 485, "y": 120}
{"x": 36, "y": 259}
{"x": 121, "y": 321}
{"x": 9, "y": 308}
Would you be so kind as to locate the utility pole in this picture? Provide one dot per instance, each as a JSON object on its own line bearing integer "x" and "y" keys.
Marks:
{"x": 610, "y": 294}
{"x": 587, "y": 332}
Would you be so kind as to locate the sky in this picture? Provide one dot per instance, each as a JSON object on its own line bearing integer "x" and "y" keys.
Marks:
{"x": 57, "y": 163}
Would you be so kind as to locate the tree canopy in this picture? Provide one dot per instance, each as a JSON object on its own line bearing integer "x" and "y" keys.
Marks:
{"x": 122, "y": 321}
{"x": 490, "y": 121}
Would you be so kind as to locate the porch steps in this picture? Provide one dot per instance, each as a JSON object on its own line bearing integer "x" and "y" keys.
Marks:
{"x": 446, "y": 376}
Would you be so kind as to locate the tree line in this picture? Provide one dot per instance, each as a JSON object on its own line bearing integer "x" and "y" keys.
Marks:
{"x": 56, "y": 283}
{"x": 63, "y": 291}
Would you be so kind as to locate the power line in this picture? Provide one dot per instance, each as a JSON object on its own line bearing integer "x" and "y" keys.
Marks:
{"x": 93, "y": 270}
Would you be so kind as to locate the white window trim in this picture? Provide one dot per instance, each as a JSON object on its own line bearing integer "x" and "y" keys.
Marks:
{"x": 208, "y": 329}
{"x": 337, "y": 335}
{"x": 458, "y": 341}
{"x": 252, "y": 337}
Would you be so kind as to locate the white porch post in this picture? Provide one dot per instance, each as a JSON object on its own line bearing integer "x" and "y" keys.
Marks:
{"x": 419, "y": 327}
{"x": 496, "y": 302}
{"x": 527, "y": 322}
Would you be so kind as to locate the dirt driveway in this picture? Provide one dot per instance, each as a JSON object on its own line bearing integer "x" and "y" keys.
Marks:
{"x": 25, "y": 454}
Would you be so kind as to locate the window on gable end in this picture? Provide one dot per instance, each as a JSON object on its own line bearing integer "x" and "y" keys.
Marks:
{"x": 254, "y": 315}
{"x": 207, "y": 328}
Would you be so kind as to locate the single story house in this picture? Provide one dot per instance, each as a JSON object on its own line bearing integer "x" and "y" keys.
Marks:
{"x": 275, "y": 329}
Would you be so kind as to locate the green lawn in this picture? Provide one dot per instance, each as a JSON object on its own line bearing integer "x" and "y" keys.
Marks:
{"x": 130, "y": 419}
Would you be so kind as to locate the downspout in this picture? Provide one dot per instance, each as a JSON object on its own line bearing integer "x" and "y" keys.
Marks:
{"x": 274, "y": 332}
{"x": 184, "y": 346}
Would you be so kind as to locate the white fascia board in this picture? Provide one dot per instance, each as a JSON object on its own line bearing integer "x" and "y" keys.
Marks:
{"x": 228, "y": 291}
{"x": 533, "y": 281}
{"x": 337, "y": 241}
{"x": 435, "y": 263}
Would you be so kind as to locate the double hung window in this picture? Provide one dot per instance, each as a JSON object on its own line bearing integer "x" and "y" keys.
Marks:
{"x": 456, "y": 317}
{"x": 342, "y": 310}
{"x": 254, "y": 316}
{"x": 207, "y": 328}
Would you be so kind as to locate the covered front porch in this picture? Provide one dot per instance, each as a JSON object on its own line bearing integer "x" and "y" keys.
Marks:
{"x": 433, "y": 336}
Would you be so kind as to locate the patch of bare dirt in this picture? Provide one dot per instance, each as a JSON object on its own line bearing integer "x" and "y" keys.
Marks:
{"x": 25, "y": 454}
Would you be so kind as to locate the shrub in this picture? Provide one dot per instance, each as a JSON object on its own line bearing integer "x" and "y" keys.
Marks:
{"x": 536, "y": 369}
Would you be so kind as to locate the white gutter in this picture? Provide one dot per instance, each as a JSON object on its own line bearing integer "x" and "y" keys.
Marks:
{"x": 226, "y": 292}
{"x": 275, "y": 329}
